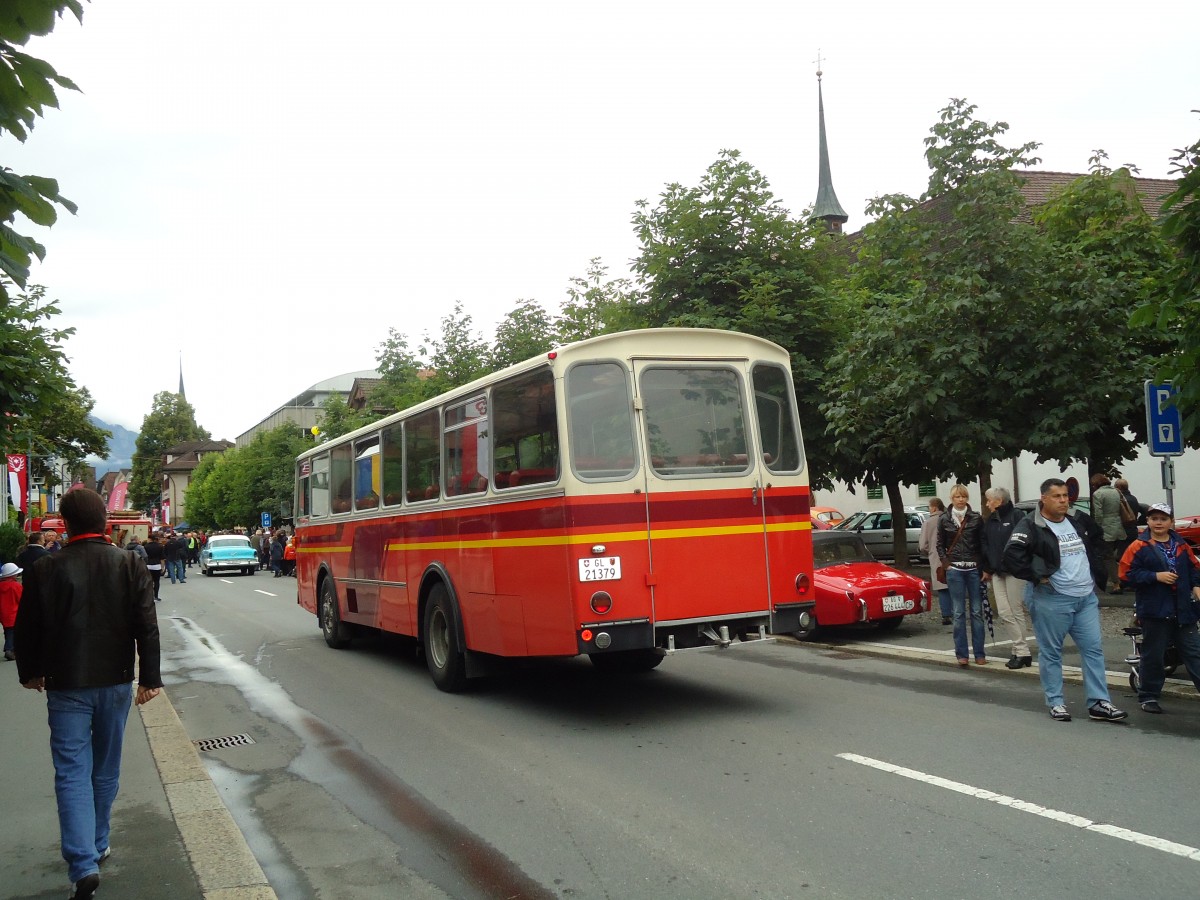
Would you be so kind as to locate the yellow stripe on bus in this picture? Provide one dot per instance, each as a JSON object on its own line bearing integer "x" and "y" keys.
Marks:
{"x": 557, "y": 540}
{"x": 612, "y": 537}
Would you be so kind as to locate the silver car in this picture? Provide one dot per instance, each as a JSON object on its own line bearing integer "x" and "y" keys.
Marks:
{"x": 875, "y": 527}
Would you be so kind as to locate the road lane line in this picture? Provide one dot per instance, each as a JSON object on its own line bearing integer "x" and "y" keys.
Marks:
{"x": 1124, "y": 834}
{"x": 261, "y": 591}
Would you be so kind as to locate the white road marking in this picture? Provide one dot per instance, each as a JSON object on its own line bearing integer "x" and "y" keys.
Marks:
{"x": 261, "y": 591}
{"x": 226, "y": 581}
{"x": 1134, "y": 837}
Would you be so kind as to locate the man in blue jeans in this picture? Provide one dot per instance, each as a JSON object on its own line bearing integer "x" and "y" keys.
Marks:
{"x": 1059, "y": 556}
{"x": 84, "y": 611}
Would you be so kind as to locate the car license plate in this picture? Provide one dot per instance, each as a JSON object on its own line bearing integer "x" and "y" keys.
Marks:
{"x": 892, "y": 603}
{"x": 607, "y": 568}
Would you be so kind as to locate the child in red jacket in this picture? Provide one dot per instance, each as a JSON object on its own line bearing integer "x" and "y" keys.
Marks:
{"x": 10, "y": 599}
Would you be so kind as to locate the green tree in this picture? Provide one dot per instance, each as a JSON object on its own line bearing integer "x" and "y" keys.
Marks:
{"x": 597, "y": 304}
{"x": 1175, "y": 311}
{"x": 400, "y": 369}
{"x": 237, "y": 486}
{"x": 457, "y": 356}
{"x": 337, "y": 418}
{"x": 27, "y": 86}
{"x": 726, "y": 254}
{"x": 46, "y": 412}
{"x": 171, "y": 421}
{"x": 1113, "y": 259}
{"x": 525, "y": 331}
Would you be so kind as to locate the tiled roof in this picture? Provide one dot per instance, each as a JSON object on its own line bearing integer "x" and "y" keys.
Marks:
{"x": 198, "y": 447}
{"x": 1039, "y": 187}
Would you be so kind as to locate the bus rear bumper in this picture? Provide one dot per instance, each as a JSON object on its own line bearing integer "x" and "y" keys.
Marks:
{"x": 690, "y": 634}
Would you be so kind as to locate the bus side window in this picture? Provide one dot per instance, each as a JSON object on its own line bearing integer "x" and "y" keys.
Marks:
{"x": 320, "y": 485}
{"x": 600, "y": 418}
{"x": 342, "y": 477}
{"x": 422, "y": 456}
{"x": 525, "y": 425}
{"x": 393, "y": 464}
{"x": 775, "y": 403}
{"x": 366, "y": 473}
{"x": 467, "y": 447}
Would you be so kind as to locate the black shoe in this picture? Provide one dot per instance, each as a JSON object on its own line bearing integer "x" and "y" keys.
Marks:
{"x": 946, "y": 620}
{"x": 1019, "y": 662}
{"x": 1151, "y": 706}
{"x": 85, "y": 887}
{"x": 1103, "y": 711}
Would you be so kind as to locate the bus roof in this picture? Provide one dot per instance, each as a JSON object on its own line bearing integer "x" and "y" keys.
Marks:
{"x": 684, "y": 343}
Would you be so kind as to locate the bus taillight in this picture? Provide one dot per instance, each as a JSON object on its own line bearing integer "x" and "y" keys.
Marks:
{"x": 803, "y": 583}
{"x": 601, "y": 602}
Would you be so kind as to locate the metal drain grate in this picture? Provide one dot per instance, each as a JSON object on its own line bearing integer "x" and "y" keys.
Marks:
{"x": 233, "y": 740}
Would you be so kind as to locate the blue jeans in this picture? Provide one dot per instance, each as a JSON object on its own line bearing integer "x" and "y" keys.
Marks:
{"x": 1055, "y": 616}
{"x": 1156, "y": 633}
{"x": 175, "y": 570}
{"x": 945, "y": 604}
{"x": 964, "y": 584}
{"x": 87, "y": 731}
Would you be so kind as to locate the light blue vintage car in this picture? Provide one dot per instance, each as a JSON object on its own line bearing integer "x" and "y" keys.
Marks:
{"x": 228, "y": 551}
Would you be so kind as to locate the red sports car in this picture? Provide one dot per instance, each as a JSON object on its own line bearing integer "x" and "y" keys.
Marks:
{"x": 1188, "y": 528}
{"x": 852, "y": 588}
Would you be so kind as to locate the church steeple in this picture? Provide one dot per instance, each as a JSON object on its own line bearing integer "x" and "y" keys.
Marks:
{"x": 827, "y": 206}
{"x": 182, "y": 395}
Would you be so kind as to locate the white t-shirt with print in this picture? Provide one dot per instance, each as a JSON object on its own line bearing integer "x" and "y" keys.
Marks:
{"x": 1074, "y": 575}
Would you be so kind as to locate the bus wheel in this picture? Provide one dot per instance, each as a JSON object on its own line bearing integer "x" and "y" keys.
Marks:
{"x": 443, "y": 656}
{"x": 336, "y": 632}
{"x": 627, "y": 662}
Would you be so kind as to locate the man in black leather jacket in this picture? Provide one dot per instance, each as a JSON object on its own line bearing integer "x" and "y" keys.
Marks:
{"x": 1058, "y": 553}
{"x": 84, "y": 612}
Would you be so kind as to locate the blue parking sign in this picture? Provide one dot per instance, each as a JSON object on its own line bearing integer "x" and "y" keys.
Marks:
{"x": 266, "y": 520}
{"x": 1164, "y": 424}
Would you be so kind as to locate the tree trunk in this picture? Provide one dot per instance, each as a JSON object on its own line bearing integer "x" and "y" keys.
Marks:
{"x": 899, "y": 523}
{"x": 985, "y": 485}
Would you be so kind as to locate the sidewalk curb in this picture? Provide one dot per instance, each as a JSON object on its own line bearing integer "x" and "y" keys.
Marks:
{"x": 1072, "y": 674}
{"x": 224, "y": 866}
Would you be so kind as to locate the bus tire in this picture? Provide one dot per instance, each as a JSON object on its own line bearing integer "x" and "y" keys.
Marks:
{"x": 627, "y": 662}
{"x": 335, "y": 631}
{"x": 443, "y": 655}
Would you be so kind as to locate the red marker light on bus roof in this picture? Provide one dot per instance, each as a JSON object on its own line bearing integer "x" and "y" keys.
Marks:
{"x": 553, "y": 354}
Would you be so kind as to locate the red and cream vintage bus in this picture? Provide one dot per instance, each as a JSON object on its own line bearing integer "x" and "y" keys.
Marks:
{"x": 623, "y": 497}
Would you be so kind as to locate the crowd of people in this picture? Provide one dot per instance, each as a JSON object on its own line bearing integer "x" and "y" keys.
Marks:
{"x": 1048, "y": 566}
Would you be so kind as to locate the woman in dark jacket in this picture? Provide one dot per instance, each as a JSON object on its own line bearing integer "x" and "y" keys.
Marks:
{"x": 1007, "y": 588}
{"x": 155, "y": 553}
{"x": 277, "y": 555}
{"x": 960, "y": 549}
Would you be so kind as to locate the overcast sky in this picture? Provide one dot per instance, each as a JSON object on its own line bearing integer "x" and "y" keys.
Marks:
{"x": 266, "y": 186}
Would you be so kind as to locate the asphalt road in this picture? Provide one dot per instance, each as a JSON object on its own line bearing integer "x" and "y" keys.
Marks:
{"x": 776, "y": 771}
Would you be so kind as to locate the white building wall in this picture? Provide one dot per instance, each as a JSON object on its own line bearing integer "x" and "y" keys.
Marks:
{"x": 1023, "y": 478}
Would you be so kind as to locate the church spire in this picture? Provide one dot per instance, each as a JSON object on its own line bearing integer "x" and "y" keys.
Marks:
{"x": 182, "y": 395}
{"x": 827, "y": 206}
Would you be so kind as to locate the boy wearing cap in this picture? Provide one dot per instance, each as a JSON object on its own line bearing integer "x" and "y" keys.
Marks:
{"x": 1166, "y": 579}
{"x": 10, "y": 599}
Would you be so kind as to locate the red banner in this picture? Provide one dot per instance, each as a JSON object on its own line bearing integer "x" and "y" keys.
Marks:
{"x": 18, "y": 481}
{"x": 116, "y": 497}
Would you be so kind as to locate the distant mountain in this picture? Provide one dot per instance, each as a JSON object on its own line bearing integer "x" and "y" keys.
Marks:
{"x": 120, "y": 448}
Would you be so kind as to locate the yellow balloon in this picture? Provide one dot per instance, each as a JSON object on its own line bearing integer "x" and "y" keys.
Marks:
{"x": 315, "y": 431}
